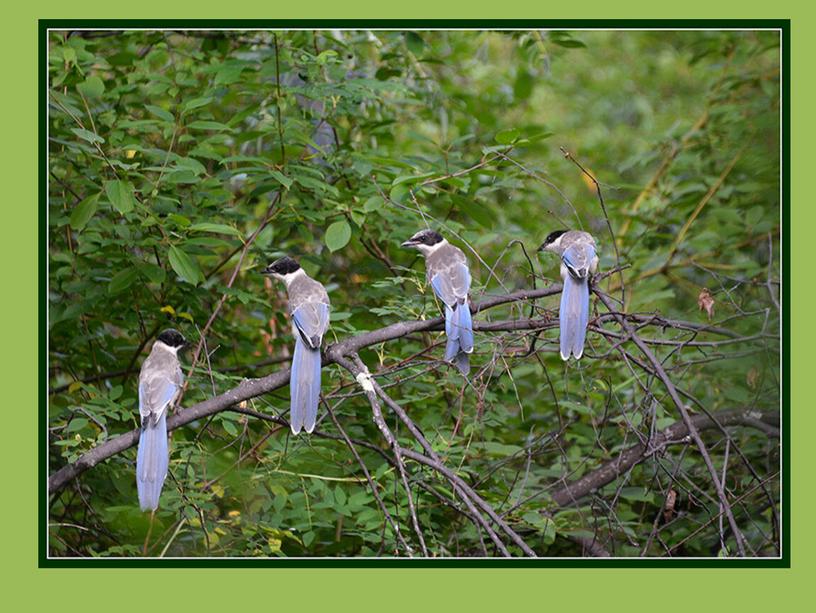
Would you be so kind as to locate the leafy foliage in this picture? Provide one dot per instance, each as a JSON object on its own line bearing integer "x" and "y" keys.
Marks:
{"x": 181, "y": 163}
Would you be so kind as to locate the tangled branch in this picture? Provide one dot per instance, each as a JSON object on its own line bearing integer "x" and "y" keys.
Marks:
{"x": 483, "y": 515}
{"x": 252, "y": 388}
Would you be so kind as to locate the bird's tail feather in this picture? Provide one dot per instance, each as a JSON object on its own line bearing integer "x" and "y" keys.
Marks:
{"x": 305, "y": 387}
{"x": 451, "y": 324}
{"x": 151, "y": 463}
{"x": 465, "y": 327}
{"x": 462, "y": 362}
{"x": 573, "y": 316}
{"x": 459, "y": 331}
{"x": 451, "y": 349}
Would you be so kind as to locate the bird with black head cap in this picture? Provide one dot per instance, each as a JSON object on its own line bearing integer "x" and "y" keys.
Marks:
{"x": 579, "y": 261}
{"x": 448, "y": 273}
{"x": 309, "y": 309}
{"x": 160, "y": 381}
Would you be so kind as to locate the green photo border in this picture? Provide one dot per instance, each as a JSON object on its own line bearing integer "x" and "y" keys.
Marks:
{"x": 43, "y": 561}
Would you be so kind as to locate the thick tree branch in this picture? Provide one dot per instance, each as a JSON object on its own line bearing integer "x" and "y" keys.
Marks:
{"x": 468, "y": 496}
{"x": 678, "y": 432}
{"x": 251, "y": 388}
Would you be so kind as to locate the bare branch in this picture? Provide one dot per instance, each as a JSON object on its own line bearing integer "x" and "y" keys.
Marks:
{"x": 676, "y": 433}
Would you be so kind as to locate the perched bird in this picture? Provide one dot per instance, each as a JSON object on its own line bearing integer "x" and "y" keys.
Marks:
{"x": 578, "y": 261}
{"x": 309, "y": 307}
{"x": 448, "y": 273}
{"x": 159, "y": 385}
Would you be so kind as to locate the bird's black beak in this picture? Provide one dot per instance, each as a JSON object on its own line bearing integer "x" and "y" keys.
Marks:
{"x": 541, "y": 247}
{"x": 409, "y": 243}
{"x": 267, "y": 270}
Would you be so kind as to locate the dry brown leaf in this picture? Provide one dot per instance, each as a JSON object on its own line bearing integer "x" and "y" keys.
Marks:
{"x": 668, "y": 509}
{"x": 706, "y": 302}
{"x": 752, "y": 378}
{"x": 591, "y": 186}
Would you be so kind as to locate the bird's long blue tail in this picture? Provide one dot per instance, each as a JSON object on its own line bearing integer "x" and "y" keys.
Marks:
{"x": 305, "y": 387}
{"x": 573, "y": 316}
{"x": 465, "y": 327}
{"x": 459, "y": 330}
{"x": 151, "y": 463}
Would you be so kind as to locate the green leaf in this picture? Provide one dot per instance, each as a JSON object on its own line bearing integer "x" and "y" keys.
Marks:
{"x": 637, "y": 494}
{"x": 181, "y": 177}
{"x": 191, "y": 164}
{"x": 122, "y": 280}
{"x": 523, "y": 86}
{"x": 411, "y": 178}
{"x": 399, "y": 192}
{"x": 373, "y": 204}
{"x": 83, "y": 211}
{"x": 505, "y": 137}
{"x": 77, "y": 424}
{"x": 281, "y": 178}
{"x": 88, "y": 135}
{"x": 92, "y": 87}
{"x": 415, "y": 42}
{"x": 180, "y": 220}
{"x": 209, "y": 125}
{"x": 215, "y": 228}
{"x": 315, "y": 184}
{"x": 324, "y": 56}
{"x": 478, "y": 211}
{"x": 229, "y": 427}
{"x": 69, "y": 55}
{"x": 154, "y": 273}
{"x": 569, "y": 43}
{"x": 160, "y": 113}
{"x": 185, "y": 265}
{"x": 195, "y": 103}
{"x": 753, "y": 216}
{"x": 338, "y": 235}
{"x": 229, "y": 73}
{"x": 120, "y": 194}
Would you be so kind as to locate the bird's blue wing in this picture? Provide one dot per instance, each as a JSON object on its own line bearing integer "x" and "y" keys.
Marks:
{"x": 462, "y": 275}
{"x": 312, "y": 320}
{"x": 154, "y": 396}
{"x": 442, "y": 288}
{"x": 578, "y": 258}
{"x": 452, "y": 284}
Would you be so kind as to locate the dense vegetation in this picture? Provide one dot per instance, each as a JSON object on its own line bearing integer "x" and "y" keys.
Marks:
{"x": 181, "y": 163}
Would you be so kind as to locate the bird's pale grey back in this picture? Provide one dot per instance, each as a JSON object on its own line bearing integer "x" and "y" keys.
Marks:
{"x": 304, "y": 289}
{"x": 452, "y": 264}
{"x": 160, "y": 372}
{"x": 579, "y": 258}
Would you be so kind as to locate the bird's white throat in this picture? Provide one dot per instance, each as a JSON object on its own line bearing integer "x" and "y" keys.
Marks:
{"x": 166, "y": 347}
{"x": 427, "y": 250}
{"x": 289, "y": 277}
{"x": 554, "y": 246}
